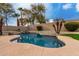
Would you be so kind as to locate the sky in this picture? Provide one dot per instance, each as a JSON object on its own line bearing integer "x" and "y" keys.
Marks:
{"x": 68, "y": 11}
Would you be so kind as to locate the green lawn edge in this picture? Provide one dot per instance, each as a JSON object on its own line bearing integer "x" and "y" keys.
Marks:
{"x": 74, "y": 36}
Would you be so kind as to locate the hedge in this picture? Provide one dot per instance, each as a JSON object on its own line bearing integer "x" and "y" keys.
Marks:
{"x": 72, "y": 26}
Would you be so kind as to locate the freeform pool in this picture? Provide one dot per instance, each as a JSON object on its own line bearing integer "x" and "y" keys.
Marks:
{"x": 40, "y": 40}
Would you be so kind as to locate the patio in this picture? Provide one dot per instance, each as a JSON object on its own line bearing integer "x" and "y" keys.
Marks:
{"x": 8, "y": 48}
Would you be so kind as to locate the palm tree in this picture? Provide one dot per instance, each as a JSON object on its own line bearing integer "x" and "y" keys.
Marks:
{"x": 16, "y": 15}
{"x": 28, "y": 15}
{"x": 6, "y": 10}
{"x": 38, "y": 11}
{"x": 41, "y": 18}
{"x": 21, "y": 14}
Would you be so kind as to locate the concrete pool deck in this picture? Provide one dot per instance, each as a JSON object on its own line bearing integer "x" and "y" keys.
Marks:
{"x": 8, "y": 48}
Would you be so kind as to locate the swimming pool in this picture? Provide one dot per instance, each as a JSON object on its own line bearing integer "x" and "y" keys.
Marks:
{"x": 40, "y": 40}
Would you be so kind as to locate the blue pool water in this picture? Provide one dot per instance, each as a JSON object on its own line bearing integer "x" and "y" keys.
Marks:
{"x": 40, "y": 40}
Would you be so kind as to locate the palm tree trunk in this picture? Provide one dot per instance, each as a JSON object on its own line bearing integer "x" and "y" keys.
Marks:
{"x": 21, "y": 14}
{"x": 17, "y": 22}
{"x": 21, "y": 19}
{"x": 6, "y": 19}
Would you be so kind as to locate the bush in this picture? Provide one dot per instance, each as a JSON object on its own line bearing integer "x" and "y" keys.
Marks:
{"x": 71, "y": 26}
{"x": 18, "y": 30}
{"x": 39, "y": 28}
{"x": 10, "y": 33}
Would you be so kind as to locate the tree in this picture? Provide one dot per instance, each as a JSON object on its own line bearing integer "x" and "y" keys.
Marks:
{"x": 6, "y": 10}
{"x": 16, "y": 15}
{"x": 21, "y": 11}
{"x": 38, "y": 12}
{"x": 23, "y": 21}
{"x": 58, "y": 25}
{"x": 28, "y": 15}
{"x": 21, "y": 14}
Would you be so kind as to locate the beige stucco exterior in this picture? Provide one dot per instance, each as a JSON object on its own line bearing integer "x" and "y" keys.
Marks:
{"x": 46, "y": 27}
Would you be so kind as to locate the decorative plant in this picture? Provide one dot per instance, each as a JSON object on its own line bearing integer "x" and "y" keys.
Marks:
{"x": 71, "y": 26}
{"x": 39, "y": 28}
{"x": 58, "y": 25}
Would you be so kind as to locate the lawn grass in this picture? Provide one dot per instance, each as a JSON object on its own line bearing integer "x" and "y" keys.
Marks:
{"x": 75, "y": 36}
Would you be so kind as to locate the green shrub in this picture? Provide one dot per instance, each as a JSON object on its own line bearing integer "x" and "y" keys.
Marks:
{"x": 71, "y": 26}
{"x": 10, "y": 33}
{"x": 39, "y": 28}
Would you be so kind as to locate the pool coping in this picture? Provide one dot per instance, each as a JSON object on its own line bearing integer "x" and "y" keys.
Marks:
{"x": 18, "y": 49}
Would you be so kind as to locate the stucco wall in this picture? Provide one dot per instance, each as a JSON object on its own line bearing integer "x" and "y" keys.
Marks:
{"x": 46, "y": 27}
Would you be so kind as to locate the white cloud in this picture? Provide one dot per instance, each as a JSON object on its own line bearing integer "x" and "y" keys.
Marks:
{"x": 51, "y": 20}
{"x": 67, "y": 6}
{"x": 23, "y": 5}
{"x": 77, "y": 7}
